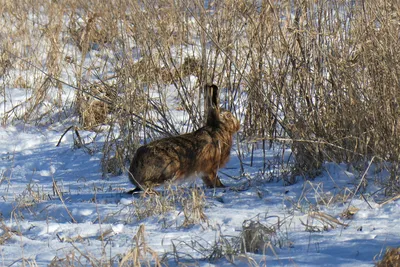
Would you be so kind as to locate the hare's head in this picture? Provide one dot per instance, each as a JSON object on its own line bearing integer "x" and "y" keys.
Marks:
{"x": 214, "y": 114}
{"x": 229, "y": 121}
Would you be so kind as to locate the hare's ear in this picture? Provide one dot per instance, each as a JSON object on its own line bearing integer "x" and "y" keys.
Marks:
{"x": 211, "y": 100}
{"x": 215, "y": 97}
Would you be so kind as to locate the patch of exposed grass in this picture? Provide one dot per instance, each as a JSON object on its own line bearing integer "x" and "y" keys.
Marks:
{"x": 391, "y": 258}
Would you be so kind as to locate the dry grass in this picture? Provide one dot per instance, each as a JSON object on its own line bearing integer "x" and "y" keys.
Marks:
{"x": 7, "y": 233}
{"x": 193, "y": 207}
{"x": 390, "y": 259}
{"x": 191, "y": 204}
{"x": 139, "y": 255}
{"x": 321, "y": 75}
{"x": 259, "y": 235}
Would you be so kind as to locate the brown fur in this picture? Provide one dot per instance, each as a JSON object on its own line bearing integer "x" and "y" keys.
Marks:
{"x": 199, "y": 153}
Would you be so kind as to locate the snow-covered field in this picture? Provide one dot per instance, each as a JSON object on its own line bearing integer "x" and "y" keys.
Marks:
{"x": 56, "y": 208}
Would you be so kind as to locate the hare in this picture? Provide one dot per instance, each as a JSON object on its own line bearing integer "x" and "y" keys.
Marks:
{"x": 199, "y": 153}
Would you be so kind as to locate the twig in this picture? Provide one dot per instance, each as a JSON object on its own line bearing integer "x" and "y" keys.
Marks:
{"x": 362, "y": 178}
{"x": 365, "y": 199}
{"x": 389, "y": 200}
{"x": 150, "y": 125}
{"x": 65, "y": 132}
{"x": 59, "y": 194}
{"x": 326, "y": 217}
{"x": 299, "y": 140}
{"x": 79, "y": 137}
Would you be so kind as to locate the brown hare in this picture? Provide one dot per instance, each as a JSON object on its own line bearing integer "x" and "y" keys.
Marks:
{"x": 200, "y": 153}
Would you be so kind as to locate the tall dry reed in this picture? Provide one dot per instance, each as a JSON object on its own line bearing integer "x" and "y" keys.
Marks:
{"x": 319, "y": 75}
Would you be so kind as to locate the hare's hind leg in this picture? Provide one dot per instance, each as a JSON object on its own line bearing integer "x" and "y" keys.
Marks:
{"x": 212, "y": 180}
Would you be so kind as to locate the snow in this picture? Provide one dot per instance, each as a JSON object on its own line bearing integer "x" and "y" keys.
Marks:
{"x": 93, "y": 216}
{"x": 57, "y": 209}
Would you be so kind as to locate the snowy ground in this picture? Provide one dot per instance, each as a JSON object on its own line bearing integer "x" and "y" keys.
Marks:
{"x": 57, "y": 209}
{"x": 94, "y": 223}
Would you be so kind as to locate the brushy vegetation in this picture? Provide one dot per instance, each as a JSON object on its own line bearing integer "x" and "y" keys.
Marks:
{"x": 320, "y": 76}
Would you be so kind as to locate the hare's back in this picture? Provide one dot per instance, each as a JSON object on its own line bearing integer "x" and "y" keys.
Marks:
{"x": 166, "y": 159}
{"x": 151, "y": 165}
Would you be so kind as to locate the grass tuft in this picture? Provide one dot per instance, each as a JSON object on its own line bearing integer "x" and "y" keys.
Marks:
{"x": 391, "y": 258}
